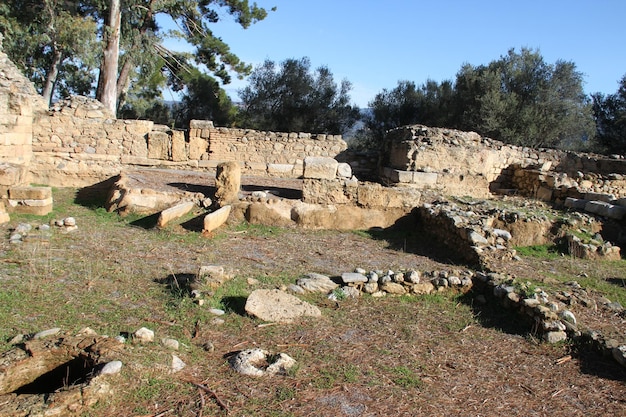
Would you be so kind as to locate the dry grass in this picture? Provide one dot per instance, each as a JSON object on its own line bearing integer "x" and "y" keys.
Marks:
{"x": 403, "y": 356}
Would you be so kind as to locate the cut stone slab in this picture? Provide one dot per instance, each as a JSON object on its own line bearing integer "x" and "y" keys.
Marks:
{"x": 320, "y": 167}
{"x": 314, "y": 282}
{"x": 279, "y": 306}
{"x": 30, "y": 193}
{"x": 174, "y": 212}
{"x": 214, "y": 220}
{"x": 353, "y": 277}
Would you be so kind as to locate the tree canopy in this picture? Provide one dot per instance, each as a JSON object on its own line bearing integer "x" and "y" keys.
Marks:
{"x": 519, "y": 99}
{"x": 290, "y": 97}
{"x": 66, "y": 40}
{"x": 610, "y": 116}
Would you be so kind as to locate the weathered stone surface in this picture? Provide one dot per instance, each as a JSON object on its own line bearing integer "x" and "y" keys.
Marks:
{"x": 353, "y": 278}
{"x": 174, "y": 212}
{"x": 319, "y": 167}
{"x": 423, "y": 288}
{"x": 278, "y": 306}
{"x": 313, "y": 282}
{"x": 393, "y": 288}
{"x": 214, "y": 220}
{"x": 344, "y": 170}
{"x": 30, "y": 193}
{"x": 144, "y": 335}
{"x": 259, "y": 362}
{"x": 210, "y": 276}
{"x": 227, "y": 183}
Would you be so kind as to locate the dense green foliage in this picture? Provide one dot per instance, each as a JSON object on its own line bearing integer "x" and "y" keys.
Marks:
{"x": 293, "y": 98}
{"x": 519, "y": 99}
{"x": 610, "y": 114}
{"x": 60, "y": 42}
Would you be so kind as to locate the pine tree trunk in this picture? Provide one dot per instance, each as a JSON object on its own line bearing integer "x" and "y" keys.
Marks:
{"x": 51, "y": 77}
{"x": 107, "y": 83}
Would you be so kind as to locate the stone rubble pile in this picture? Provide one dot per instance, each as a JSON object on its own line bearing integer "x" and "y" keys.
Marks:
{"x": 548, "y": 316}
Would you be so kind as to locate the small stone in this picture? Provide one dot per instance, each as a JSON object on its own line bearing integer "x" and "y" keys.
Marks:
{"x": 413, "y": 277}
{"x": 252, "y": 281}
{"x": 370, "y": 287}
{"x": 15, "y": 238}
{"x": 69, "y": 222}
{"x": 360, "y": 271}
{"x": 23, "y": 228}
{"x": 454, "y": 281}
{"x": 217, "y": 312}
{"x": 393, "y": 288}
{"x": 17, "y": 339}
{"x": 111, "y": 368}
{"x": 379, "y": 294}
{"x": 555, "y": 337}
{"x": 353, "y": 277}
{"x": 218, "y": 321}
{"x": 177, "y": 364}
{"x": 46, "y": 333}
{"x": 208, "y": 346}
{"x": 199, "y": 301}
{"x": 87, "y": 331}
{"x": 423, "y": 288}
{"x": 372, "y": 277}
{"x": 351, "y": 292}
{"x": 296, "y": 289}
{"x": 568, "y": 316}
{"x": 120, "y": 339}
{"x": 398, "y": 277}
{"x": 144, "y": 335}
{"x": 170, "y": 343}
{"x": 314, "y": 282}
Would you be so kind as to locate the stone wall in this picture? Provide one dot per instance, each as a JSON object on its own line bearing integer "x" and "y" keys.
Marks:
{"x": 264, "y": 153}
{"x": 19, "y": 103}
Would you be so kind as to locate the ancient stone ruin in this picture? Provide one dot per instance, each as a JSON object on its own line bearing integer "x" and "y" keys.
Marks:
{"x": 476, "y": 196}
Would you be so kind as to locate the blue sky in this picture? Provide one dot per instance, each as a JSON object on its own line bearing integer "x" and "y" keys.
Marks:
{"x": 374, "y": 44}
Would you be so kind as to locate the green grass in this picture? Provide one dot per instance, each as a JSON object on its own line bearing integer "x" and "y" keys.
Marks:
{"x": 405, "y": 377}
{"x": 540, "y": 251}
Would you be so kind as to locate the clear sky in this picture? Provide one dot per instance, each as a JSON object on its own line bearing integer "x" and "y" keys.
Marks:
{"x": 374, "y": 44}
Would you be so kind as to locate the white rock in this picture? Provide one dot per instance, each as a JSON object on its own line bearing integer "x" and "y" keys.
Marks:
{"x": 177, "y": 364}
{"x": 46, "y": 333}
{"x": 111, "y": 368}
{"x": 69, "y": 221}
{"x": 278, "y": 306}
{"x": 170, "y": 343}
{"x": 144, "y": 335}
{"x": 217, "y": 312}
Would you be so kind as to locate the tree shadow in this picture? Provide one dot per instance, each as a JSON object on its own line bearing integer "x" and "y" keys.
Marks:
{"x": 620, "y": 282}
{"x": 206, "y": 190}
{"x": 95, "y": 195}
{"x": 178, "y": 285}
{"x": 494, "y": 315}
{"x": 194, "y": 225}
{"x": 236, "y": 304}
{"x": 593, "y": 362}
{"x": 408, "y": 235}
{"x": 148, "y": 222}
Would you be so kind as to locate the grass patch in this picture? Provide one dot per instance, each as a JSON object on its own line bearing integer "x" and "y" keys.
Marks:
{"x": 405, "y": 377}
{"x": 540, "y": 251}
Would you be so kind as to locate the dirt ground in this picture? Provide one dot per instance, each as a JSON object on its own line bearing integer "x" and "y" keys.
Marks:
{"x": 407, "y": 356}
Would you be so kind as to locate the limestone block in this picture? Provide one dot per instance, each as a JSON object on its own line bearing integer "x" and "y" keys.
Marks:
{"x": 279, "y": 169}
{"x": 396, "y": 175}
{"x": 214, "y": 220}
{"x": 179, "y": 149}
{"x": 597, "y": 207}
{"x": 227, "y": 183}
{"x": 425, "y": 178}
{"x": 158, "y": 145}
{"x": 197, "y": 147}
{"x": 4, "y": 216}
{"x": 320, "y": 167}
{"x": 599, "y": 197}
{"x": 174, "y": 212}
{"x": 201, "y": 124}
{"x": 575, "y": 203}
{"x": 30, "y": 193}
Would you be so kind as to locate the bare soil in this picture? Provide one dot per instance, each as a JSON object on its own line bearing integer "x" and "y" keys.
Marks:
{"x": 438, "y": 355}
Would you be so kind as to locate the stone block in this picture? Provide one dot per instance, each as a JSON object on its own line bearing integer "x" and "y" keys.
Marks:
{"x": 575, "y": 203}
{"x": 174, "y": 212}
{"x": 227, "y": 183}
{"x": 179, "y": 149}
{"x": 201, "y": 124}
{"x": 597, "y": 207}
{"x": 214, "y": 220}
{"x": 30, "y": 193}
{"x": 279, "y": 169}
{"x": 425, "y": 178}
{"x": 158, "y": 145}
{"x": 319, "y": 167}
{"x": 599, "y": 197}
{"x": 197, "y": 147}
{"x": 544, "y": 194}
{"x": 396, "y": 175}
